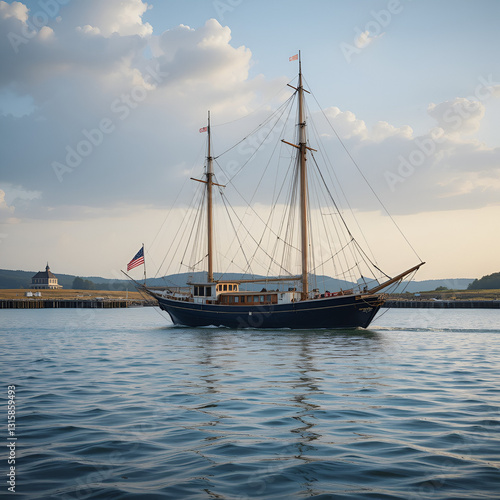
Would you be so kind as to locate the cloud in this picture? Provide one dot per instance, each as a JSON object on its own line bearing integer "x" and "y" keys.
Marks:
{"x": 15, "y": 10}
{"x": 348, "y": 126}
{"x": 365, "y": 38}
{"x": 461, "y": 116}
{"x": 446, "y": 168}
{"x": 112, "y": 17}
{"x": 100, "y": 119}
{"x": 90, "y": 68}
{"x": 6, "y": 211}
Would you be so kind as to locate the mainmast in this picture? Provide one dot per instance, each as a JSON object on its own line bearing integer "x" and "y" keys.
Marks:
{"x": 210, "y": 173}
{"x": 303, "y": 186}
{"x": 302, "y": 163}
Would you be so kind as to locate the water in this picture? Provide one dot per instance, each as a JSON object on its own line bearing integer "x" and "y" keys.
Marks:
{"x": 120, "y": 404}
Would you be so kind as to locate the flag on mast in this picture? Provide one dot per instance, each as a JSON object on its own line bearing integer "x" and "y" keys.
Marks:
{"x": 137, "y": 260}
{"x": 203, "y": 129}
{"x": 293, "y": 58}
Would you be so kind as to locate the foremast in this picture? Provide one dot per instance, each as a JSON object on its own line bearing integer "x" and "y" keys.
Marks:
{"x": 210, "y": 228}
{"x": 209, "y": 182}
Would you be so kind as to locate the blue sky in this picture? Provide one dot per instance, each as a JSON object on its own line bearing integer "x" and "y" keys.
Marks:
{"x": 429, "y": 50}
{"x": 391, "y": 74}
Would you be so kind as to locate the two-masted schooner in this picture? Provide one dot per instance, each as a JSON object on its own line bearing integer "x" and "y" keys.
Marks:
{"x": 221, "y": 302}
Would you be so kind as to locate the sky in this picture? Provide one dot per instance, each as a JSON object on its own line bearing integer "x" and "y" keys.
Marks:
{"x": 101, "y": 103}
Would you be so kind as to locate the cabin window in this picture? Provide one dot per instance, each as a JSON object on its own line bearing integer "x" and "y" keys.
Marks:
{"x": 243, "y": 299}
{"x": 236, "y": 299}
{"x": 231, "y": 299}
{"x": 208, "y": 291}
{"x": 230, "y": 288}
{"x": 268, "y": 298}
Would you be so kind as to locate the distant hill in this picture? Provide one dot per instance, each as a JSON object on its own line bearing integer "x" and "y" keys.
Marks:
{"x": 489, "y": 282}
{"x": 430, "y": 285}
{"x": 22, "y": 279}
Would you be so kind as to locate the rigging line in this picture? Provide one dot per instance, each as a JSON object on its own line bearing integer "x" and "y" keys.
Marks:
{"x": 282, "y": 89}
{"x": 346, "y": 199}
{"x": 279, "y": 118}
{"x": 272, "y": 155}
{"x": 335, "y": 204}
{"x": 199, "y": 217}
{"x": 409, "y": 281}
{"x": 280, "y": 237}
{"x": 255, "y": 241}
{"x": 173, "y": 205}
{"x": 340, "y": 215}
{"x": 366, "y": 180}
{"x": 333, "y": 256}
{"x": 350, "y": 269}
{"x": 196, "y": 263}
{"x": 368, "y": 258}
{"x": 287, "y": 226}
{"x": 230, "y": 181}
{"x": 224, "y": 199}
{"x": 257, "y": 214}
{"x": 339, "y": 238}
{"x": 326, "y": 233}
{"x": 182, "y": 227}
{"x": 331, "y": 197}
{"x": 275, "y": 196}
{"x": 340, "y": 235}
{"x": 268, "y": 162}
{"x": 268, "y": 119}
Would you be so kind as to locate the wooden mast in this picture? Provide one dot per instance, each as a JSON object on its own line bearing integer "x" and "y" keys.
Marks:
{"x": 210, "y": 173}
{"x": 303, "y": 187}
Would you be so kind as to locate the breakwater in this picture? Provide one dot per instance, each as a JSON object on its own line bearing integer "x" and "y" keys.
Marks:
{"x": 68, "y": 304}
{"x": 444, "y": 304}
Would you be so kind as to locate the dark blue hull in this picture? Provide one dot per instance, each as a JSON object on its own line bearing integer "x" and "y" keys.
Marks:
{"x": 350, "y": 311}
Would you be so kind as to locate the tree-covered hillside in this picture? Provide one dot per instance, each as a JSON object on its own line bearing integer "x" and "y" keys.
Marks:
{"x": 489, "y": 282}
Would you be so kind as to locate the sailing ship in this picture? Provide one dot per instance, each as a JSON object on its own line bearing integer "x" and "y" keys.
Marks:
{"x": 219, "y": 302}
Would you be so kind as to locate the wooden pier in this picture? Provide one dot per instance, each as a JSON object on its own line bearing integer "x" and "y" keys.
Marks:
{"x": 444, "y": 304}
{"x": 68, "y": 304}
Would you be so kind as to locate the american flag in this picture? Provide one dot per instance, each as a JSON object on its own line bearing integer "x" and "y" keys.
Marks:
{"x": 137, "y": 260}
{"x": 293, "y": 58}
{"x": 203, "y": 129}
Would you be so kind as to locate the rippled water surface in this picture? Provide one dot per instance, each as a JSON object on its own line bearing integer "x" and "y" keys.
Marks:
{"x": 120, "y": 404}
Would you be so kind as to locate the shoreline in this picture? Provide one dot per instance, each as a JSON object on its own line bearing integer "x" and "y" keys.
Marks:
{"x": 71, "y": 299}
{"x": 443, "y": 304}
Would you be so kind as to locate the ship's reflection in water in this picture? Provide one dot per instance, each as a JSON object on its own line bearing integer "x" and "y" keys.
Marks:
{"x": 266, "y": 403}
{"x": 129, "y": 409}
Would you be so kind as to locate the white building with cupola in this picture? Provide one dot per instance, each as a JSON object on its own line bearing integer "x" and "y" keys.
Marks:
{"x": 45, "y": 280}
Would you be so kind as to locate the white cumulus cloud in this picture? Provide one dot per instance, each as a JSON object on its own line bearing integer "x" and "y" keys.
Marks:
{"x": 458, "y": 116}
